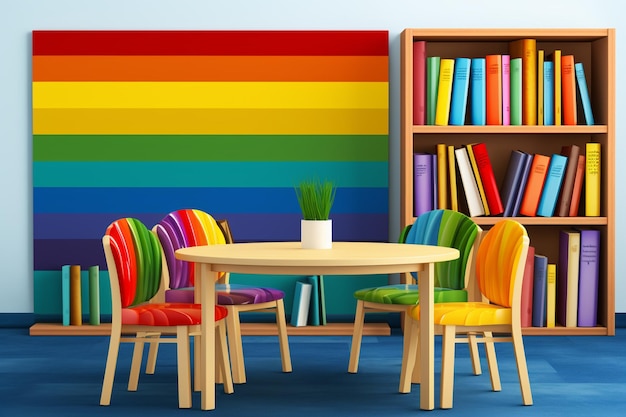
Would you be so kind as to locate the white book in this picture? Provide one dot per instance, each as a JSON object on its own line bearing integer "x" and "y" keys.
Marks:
{"x": 301, "y": 301}
{"x": 472, "y": 195}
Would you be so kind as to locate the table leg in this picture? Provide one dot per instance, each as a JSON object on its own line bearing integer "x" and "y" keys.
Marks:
{"x": 426, "y": 285}
{"x": 205, "y": 288}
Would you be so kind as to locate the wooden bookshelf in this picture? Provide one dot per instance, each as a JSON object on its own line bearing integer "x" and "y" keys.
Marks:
{"x": 595, "y": 48}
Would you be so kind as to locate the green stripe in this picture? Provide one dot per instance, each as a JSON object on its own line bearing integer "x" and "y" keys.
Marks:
{"x": 210, "y": 148}
{"x": 206, "y": 174}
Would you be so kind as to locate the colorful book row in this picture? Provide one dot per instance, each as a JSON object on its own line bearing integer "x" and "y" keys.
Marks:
{"x": 71, "y": 288}
{"x": 563, "y": 293}
{"x": 309, "y": 302}
{"x": 523, "y": 87}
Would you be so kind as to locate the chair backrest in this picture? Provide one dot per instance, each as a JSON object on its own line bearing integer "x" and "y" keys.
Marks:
{"x": 451, "y": 229}
{"x": 182, "y": 229}
{"x": 500, "y": 263}
{"x": 133, "y": 256}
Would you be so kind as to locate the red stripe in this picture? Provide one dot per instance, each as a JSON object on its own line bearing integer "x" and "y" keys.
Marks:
{"x": 360, "y": 43}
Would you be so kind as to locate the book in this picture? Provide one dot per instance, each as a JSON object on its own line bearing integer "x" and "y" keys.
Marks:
{"x": 314, "y": 305}
{"x": 472, "y": 195}
{"x": 94, "y": 295}
{"x": 588, "y": 278}
{"x": 493, "y": 84}
{"x": 539, "y": 290}
{"x": 567, "y": 278}
{"x": 551, "y": 295}
{"x": 322, "y": 289}
{"x": 568, "y": 90}
{"x": 422, "y": 183}
{"x": 512, "y": 179}
{"x": 435, "y": 185}
{"x": 555, "y": 57}
{"x": 65, "y": 294}
{"x": 76, "y": 314}
{"x": 444, "y": 91}
{"x": 540, "y": 66}
{"x": 477, "y": 178}
{"x": 527, "y": 289}
{"x": 442, "y": 176}
{"x": 432, "y": 87}
{"x": 301, "y": 301}
{"x": 592, "y": 179}
{"x": 506, "y": 89}
{"x": 526, "y": 49}
{"x": 485, "y": 170}
{"x": 454, "y": 199}
{"x": 478, "y": 92}
{"x": 552, "y": 186}
{"x": 534, "y": 184}
{"x": 583, "y": 92}
{"x": 578, "y": 186}
{"x": 571, "y": 152}
{"x": 516, "y": 92}
{"x": 548, "y": 93}
{"x": 522, "y": 185}
{"x": 460, "y": 90}
{"x": 419, "y": 82}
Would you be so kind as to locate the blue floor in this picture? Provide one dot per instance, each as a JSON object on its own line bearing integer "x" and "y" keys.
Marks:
{"x": 62, "y": 376}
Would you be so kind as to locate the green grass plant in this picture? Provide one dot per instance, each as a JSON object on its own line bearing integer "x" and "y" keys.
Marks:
{"x": 316, "y": 198}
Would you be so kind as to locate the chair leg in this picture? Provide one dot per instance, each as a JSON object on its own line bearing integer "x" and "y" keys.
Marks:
{"x": 109, "y": 370}
{"x": 474, "y": 353}
{"x": 153, "y": 351}
{"x": 492, "y": 362}
{"x": 283, "y": 339}
{"x": 447, "y": 366}
{"x": 196, "y": 363}
{"x": 410, "y": 353}
{"x": 522, "y": 369}
{"x": 135, "y": 365}
{"x": 222, "y": 361}
{"x": 357, "y": 335}
{"x": 184, "y": 367}
{"x": 233, "y": 331}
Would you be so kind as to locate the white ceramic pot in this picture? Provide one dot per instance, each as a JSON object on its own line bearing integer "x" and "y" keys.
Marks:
{"x": 316, "y": 234}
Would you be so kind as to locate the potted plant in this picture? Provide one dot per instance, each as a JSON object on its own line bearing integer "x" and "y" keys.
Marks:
{"x": 316, "y": 198}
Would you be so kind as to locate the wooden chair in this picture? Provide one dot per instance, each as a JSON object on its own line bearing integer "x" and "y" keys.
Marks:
{"x": 499, "y": 271}
{"x": 134, "y": 261}
{"x": 191, "y": 227}
{"x": 438, "y": 227}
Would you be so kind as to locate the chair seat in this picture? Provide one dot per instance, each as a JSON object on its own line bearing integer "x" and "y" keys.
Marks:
{"x": 405, "y": 294}
{"x": 468, "y": 314}
{"x": 229, "y": 294}
{"x": 167, "y": 314}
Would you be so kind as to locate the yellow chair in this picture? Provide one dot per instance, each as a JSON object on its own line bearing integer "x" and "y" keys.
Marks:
{"x": 499, "y": 271}
{"x": 134, "y": 261}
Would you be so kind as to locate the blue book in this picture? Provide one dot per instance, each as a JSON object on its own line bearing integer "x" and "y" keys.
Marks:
{"x": 548, "y": 93}
{"x": 65, "y": 294}
{"x": 301, "y": 302}
{"x": 512, "y": 179}
{"x": 478, "y": 92}
{"x": 552, "y": 186}
{"x": 539, "y": 291}
{"x": 581, "y": 80}
{"x": 460, "y": 89}
{"x": 519, "y": 196}
{"x": 314, "y": 306}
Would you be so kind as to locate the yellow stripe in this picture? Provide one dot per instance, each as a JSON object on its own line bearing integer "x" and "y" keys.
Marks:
{"x": 211, "y": 121}
{"x": 210, "y": 95}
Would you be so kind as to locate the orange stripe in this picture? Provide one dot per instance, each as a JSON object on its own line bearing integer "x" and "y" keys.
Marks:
{"x": 210, "y": 68}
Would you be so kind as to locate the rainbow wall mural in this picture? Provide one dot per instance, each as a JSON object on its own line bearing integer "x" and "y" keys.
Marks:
{"x": 141, "y": 123}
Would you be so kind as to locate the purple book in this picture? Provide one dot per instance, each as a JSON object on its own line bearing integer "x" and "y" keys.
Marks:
{"x": 588, "y": 278}
{"x": 422, "y": 183}
{"x": 539, "y": 291}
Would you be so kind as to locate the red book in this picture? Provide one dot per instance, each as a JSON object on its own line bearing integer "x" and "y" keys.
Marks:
{"x": 493, "y": 64}
{"x": 527, "y": 289}
{"x": 419, "y": 82}
{"x": 568, "y": 90}
{"x": 488, "y": 179}
{"x": 578, "y": 186}
{"x": 534, "y": 185}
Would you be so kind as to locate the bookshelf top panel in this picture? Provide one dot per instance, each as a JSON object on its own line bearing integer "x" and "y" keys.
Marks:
{"x": 574, "y": 35}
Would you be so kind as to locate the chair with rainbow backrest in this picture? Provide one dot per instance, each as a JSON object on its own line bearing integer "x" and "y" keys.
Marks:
{"x": 499, "y": 272}
{"x": 191, "y": 227}
{"x": 453, "y": 279}
{"x": 135, "y": 264}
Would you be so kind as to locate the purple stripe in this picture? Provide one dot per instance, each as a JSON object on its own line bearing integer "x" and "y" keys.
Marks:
{"x": 52, "y": 254}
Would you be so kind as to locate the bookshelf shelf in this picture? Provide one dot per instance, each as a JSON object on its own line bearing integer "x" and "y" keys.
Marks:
{"x": 595, "y": 48}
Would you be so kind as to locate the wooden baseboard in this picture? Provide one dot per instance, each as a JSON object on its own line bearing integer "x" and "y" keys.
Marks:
{"x": 247, "y": 329}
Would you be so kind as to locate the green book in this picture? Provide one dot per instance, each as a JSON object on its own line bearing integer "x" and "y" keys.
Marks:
{"x": 94, "y": 295}
{"x": 516, "y": 91}
{"x": 432, "y": 87}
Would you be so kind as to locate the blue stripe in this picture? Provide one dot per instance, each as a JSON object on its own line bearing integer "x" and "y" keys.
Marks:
{"x": 224, "y": 200}
{"x": 207, "y": 174}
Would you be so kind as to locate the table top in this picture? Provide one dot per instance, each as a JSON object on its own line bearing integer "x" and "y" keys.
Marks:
{"x": 344, "y": 257}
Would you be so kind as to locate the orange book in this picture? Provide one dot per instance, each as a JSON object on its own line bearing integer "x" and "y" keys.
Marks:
{"x": 527, "y": 50}
{"x": 555, "y": 57}
{"x": 534, "y": 185}
{"x": 442, "y": 176}
{"x": 76, "y": 314}
{"x": 493, "y": 100}
{"x": 568, "y": 90}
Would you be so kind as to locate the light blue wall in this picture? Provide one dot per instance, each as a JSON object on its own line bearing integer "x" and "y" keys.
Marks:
{"x": 20, "y": 17}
